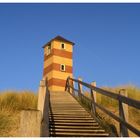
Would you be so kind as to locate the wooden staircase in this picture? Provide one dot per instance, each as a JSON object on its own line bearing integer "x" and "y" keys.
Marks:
{"x": 67, "y": 118}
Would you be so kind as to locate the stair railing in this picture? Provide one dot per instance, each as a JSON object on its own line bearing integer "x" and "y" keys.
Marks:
{"x": 124, "y": 125}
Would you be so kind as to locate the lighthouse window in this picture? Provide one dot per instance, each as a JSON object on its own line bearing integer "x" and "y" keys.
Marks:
{"x": 49, "y": 49}
{"x": 62, "y": 67}
{"x": 63, "y": 46}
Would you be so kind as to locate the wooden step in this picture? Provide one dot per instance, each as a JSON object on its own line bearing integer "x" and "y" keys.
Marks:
{"x": 65, "y": 107}
{"x": 78, "y": 121}
{"x": 67, "y": 115}
{"x": 64, "y": 110}
{"x": 75, "y": 127}
{"x": 63, "y": 114}
{"x": 78, "y": 131}
{"x": 65, "y": 104}
{"x": 71, "y": 118}
{"x": 70, "y": 113}
{"x": 63, "y": 134}
{"x": 74, "y": 123}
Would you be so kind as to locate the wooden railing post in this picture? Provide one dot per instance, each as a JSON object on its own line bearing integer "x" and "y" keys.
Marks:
{"x": 125, "y": 106}
{"x": 93, "y": 97}
{"x": 72, "y": 82}
{"x": 70, "y": 86}
{"x": 94, "y": 92}
{"x": 123, "y": 112}
{"x": 80, "y": 90}
{"x": 66, "y": 86}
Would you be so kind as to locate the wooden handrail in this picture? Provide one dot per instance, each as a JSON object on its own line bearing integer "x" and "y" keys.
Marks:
{"x": 120, "y": 98}
{"x": 126, "y": 100}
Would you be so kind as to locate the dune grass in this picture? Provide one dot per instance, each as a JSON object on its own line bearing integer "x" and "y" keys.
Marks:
{"x": 11, "y": 102}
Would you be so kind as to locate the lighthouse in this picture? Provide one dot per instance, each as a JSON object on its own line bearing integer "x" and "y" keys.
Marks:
{"x": 58, "y": 62}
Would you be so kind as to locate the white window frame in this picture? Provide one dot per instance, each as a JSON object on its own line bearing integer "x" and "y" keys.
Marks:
{"x": 61, "y": 67}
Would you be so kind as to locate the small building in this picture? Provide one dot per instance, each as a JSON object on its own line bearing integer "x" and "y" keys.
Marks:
{"x": 58, "y": 62}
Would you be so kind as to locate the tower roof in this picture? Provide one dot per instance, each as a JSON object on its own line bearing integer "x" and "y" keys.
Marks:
{"x": 60, "y": 39}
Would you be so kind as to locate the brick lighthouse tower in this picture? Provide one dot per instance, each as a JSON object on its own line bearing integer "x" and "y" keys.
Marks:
{"x": 58, "y": 63}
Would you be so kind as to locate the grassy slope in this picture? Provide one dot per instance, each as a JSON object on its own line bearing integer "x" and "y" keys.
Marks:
{"x": 11, "y": 102}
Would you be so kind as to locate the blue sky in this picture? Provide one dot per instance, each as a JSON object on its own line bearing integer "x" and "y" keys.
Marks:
{"x": 106, "y": 36}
